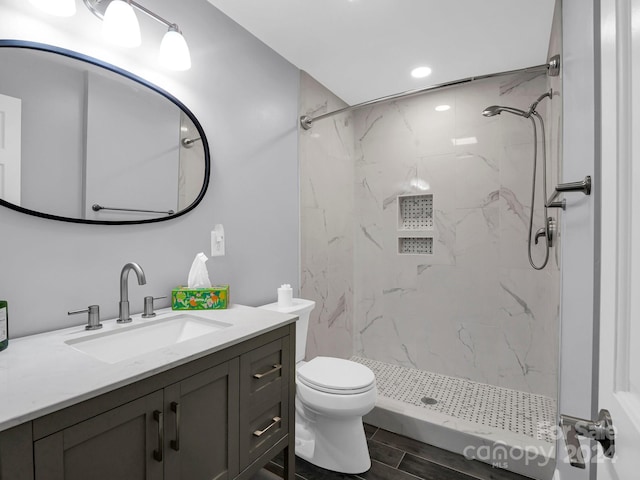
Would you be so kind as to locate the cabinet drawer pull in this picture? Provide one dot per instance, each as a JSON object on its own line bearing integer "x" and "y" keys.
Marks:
{"x": 275, "y": 368}
{"x": 258, "y": 433}
{"x": 159, "y": 417}
{"x": 175, "y": 408}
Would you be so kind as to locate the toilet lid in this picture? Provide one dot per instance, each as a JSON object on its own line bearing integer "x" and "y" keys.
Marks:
{"x": 335, "y": 375}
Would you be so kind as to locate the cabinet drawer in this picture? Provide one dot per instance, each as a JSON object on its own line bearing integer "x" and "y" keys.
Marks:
{"x": 261, "y": 431}
{"x": 264, "y": 368}
{"x": 264, "y": 388}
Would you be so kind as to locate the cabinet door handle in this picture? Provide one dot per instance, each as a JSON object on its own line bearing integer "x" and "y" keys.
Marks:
{"x": 259, "y": 433}
{"x": 175, "y": 408}
{"x": 159, "y": 417}
{"x": 275, "y": 368}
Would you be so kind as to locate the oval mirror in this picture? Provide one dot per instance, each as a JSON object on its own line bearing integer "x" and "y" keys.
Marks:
{"x": 84, "y": 141}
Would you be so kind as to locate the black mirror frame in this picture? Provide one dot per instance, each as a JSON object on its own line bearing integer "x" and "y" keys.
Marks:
{"x": 135, "y": 78}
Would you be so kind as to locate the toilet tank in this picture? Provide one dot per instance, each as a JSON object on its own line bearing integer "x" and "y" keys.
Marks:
{"x": 302, "y": 308}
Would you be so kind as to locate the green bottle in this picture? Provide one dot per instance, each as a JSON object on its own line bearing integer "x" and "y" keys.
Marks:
{"x": 4, "y": 325}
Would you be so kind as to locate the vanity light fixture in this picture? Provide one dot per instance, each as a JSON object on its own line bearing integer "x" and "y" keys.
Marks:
{"x": 174, "y": 52}
{"x": 442, "y": 108}
{"x": 121, "y": 27}
{"x": 59, "y": 8}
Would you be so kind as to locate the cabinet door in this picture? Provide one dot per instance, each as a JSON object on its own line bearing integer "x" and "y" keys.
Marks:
{"x": 16, "y": 453}
{"x": 123, "y": 443}
{"x": 264, "y": 399}
{"x": 201, "y": 420}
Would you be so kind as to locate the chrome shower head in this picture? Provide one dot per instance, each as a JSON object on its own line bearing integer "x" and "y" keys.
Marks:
{"x": 497, "y": 110}
{"x": 492, "y": 111}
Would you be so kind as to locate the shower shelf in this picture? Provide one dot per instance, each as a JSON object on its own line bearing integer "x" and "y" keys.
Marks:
{"x": 415, "y": 212}
{"x": 415, "y": 245}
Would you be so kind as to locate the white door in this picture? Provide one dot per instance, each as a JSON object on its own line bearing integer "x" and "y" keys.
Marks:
{"x": 619, "y": 376}
{"x": 10, "y": 145}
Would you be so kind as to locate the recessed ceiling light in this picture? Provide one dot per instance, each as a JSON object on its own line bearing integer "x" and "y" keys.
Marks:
{"x": 420, "y": 72}
{"x": 442, "y": 108}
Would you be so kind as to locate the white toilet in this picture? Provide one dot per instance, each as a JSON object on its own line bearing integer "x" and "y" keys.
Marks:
{"x": 332, "y": 395}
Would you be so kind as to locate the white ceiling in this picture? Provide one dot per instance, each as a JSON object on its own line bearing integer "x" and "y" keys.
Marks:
{"x": 365, "y": 49}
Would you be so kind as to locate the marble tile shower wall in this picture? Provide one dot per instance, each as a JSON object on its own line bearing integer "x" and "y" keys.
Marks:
{"x": 326, "y": 222}
{"x": 474, "y": 308}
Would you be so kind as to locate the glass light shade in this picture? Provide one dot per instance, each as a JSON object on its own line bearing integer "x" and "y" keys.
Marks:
{"x": 120, "y": 25}
{"x": 59, "y": 8}
{"x": 174, "y": 52}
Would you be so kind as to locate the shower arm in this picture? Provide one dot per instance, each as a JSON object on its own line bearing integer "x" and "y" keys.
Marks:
{"x": 534, "y": 105}
{"x": 583, "y": 186}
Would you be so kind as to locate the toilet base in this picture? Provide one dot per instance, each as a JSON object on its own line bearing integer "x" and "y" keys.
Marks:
{"x": 337, "y": 444}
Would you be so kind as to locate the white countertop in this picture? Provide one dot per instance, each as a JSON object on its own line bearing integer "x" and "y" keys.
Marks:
{"x": 40, "y": 374}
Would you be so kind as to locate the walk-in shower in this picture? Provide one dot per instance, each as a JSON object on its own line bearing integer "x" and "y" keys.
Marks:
{"x": 414, "y": 222}
{"x": 548, "y": 231}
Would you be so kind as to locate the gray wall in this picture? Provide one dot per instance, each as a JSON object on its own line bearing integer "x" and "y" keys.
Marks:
{"x": 245, "y": 96}
{"x": 60, "y": 132}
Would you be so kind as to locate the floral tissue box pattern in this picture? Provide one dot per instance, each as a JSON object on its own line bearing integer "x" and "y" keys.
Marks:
{"x": 214, "y": 298}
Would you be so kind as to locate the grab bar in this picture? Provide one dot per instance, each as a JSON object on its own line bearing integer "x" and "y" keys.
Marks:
{"x": 96, "y": 208}
{"x": 583, "y": 186}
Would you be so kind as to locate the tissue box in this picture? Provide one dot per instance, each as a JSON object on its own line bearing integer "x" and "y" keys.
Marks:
{"x": 214, "y": 298}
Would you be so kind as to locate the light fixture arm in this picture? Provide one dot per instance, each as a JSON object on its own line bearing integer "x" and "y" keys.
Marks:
{"x": 153, "y": 15}
{"x": 174, "y": 51}
{"x": 98, "y": 7}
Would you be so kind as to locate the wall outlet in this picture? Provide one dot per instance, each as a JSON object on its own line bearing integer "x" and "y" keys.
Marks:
{"x": 217, "y": 241}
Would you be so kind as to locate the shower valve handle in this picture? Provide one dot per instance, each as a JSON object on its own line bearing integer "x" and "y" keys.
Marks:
{"x": 548, "y": 232}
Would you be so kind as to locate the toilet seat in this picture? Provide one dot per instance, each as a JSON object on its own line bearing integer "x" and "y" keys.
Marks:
{"x": 336, "y": 376}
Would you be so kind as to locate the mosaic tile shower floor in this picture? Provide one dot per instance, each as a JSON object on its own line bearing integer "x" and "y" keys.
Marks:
{"x": 518, "y": 412}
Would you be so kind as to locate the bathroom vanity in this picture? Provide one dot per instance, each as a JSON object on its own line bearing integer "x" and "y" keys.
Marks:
{"x": 219, "y": 405}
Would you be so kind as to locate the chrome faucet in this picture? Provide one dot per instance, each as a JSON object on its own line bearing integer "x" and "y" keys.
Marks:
{"x": 124, "y": 289}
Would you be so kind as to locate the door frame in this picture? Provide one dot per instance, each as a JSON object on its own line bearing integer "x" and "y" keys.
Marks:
{"x": 580, "y": 227}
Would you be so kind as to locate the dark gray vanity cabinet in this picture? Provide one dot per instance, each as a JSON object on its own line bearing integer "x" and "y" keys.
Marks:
{"x": 16, "y": 453}
{"x": 119, "y": 443}
{"x": 201, "y": 418}
{"x": 222, "y": 417}
{"x": 181, "y": 432}
{"x": 263, "y": 399}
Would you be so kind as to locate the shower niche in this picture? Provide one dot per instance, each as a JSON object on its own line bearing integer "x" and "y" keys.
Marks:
{"x": 415, "y": 224}
{"x": 415, "y": 245}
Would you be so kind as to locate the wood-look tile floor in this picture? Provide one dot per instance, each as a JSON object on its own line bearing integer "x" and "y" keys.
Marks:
{"x": 394, "y": 457}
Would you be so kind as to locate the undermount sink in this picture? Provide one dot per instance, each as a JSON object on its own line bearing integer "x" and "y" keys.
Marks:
{"x": 135, "y": 340}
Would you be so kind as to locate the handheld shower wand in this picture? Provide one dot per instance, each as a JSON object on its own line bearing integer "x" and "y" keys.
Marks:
{"x": 494, "y": 110}
{"x": 532, "y": 114}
